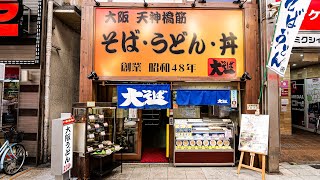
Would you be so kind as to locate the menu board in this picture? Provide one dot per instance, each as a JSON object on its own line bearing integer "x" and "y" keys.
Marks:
{"x": 254, "y": 133}
{"x": 187, "y": 112}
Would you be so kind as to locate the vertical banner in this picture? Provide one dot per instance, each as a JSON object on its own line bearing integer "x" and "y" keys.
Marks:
{"x": 67, "y": 145}
{"x": 297, "y": 102}
{"x": 288, "y": 24}
{"x": 234, "y": 98}
{"x": 2, "y": 71}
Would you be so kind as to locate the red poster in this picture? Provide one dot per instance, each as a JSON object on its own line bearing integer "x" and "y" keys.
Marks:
{"x": 10, "y": 14}
{"x": 312, "y": 18}
{"x": 222, "y": 67}
{"x": 284, "y": 92}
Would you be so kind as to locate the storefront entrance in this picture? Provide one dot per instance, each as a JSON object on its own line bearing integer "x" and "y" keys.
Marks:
{"x": 154, "y": 136}
{"x": 300, "y": 109}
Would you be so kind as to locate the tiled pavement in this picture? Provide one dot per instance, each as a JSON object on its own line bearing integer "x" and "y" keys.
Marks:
{"x": 301, "y": 147}
{"x": 164, "y": 171}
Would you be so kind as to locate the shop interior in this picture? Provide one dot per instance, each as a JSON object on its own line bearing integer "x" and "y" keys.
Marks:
{"x": 154, "y": 127}
{"x": 300, "y": 110}
{"x": 10, "y": 96}
{"x": 151, "y": 148}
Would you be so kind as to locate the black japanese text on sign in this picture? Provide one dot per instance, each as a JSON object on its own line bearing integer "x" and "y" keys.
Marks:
{"x": 162, "y": 42}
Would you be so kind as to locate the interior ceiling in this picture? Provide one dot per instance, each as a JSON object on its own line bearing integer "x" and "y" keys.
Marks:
{"x": 297, "y": 60}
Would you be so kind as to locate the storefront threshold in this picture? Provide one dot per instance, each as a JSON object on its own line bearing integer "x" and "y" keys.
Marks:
{"x": 147, "y": 165}
{"x": 139, "y": 163}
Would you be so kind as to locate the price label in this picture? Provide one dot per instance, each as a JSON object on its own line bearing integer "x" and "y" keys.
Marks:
{"x": 228, "y": 133}
{"x": 90, "y": 149}
{"x": 91, "y": 104}
{"x": 100, "y": 146}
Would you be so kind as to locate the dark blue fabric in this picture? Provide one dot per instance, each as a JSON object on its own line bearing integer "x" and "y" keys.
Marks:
{"x": 139, "y": 96}
{"x": 203, "y": 97}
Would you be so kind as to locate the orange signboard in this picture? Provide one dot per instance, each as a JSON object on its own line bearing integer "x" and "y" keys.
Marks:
{"x": 169, "y": 42}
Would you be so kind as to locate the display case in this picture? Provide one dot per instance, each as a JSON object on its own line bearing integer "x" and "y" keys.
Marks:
{"x": 127, "y": 130}
{"x": 204, "y": 142}
{"x": 95, "y": 135}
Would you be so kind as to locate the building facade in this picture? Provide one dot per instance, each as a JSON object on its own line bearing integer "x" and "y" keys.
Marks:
{"x": 210, "y": 48}
{"x": 41, "y": 69}
{"x": 20, "y": 52}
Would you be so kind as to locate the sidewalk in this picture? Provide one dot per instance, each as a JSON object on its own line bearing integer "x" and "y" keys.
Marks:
{"x": 300, "y": 147}
{"x": 163, "y": 171}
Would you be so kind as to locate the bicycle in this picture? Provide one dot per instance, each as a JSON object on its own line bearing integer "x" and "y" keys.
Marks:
{"x": 12, "y": 155}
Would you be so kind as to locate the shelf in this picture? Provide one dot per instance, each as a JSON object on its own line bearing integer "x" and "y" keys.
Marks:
{"x": 206, "y": 132}
{"x": 150, "y": 119}
{"x": 204, "y": 164}
{"x": 9, "y": 81}
{"x": 151, "y": 124}
{"x": 181, "y": 139}
{"x": 205, "y": 124}
{"x": 204, "y": 150}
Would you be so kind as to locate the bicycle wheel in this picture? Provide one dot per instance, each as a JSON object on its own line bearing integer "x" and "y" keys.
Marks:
{"x": 14, "y": 159}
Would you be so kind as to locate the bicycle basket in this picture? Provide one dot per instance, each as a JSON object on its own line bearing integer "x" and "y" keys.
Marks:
{"x": 13, "y": 137}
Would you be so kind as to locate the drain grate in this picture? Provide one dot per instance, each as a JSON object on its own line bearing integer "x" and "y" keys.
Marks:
{"x": 316, "y": 166}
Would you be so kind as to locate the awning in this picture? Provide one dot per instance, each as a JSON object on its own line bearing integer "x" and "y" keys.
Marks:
{"x": 203, "y": 97}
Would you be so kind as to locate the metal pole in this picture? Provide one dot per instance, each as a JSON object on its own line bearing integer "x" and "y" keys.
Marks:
{"x": 47, "y": 82}
{"x": 270, "y": 89}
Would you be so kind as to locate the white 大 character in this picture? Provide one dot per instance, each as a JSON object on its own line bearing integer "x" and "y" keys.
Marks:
{"x": 154, "y": 98}
{"x": 132, "y": 97}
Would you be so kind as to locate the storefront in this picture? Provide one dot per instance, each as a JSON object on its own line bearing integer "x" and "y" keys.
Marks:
{"x": 300, "y": 93}
{"x": 20, "y": 27}
{"x": 174, "y": 75}
{"x": 299, "y": 87}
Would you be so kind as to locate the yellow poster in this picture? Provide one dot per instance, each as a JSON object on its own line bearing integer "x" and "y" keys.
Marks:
{"x": 169, "y": 42}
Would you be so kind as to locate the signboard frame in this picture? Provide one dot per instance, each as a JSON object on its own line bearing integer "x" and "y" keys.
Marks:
{"x": 62, "y": 145}
{"x": 251, "y": 151}
{"x": 240, "y": 64}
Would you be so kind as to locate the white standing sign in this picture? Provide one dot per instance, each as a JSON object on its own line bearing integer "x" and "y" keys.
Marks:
{"x": 67, "y": 145}
{"x": 288, "y": 24}
{"x": 254, "y": 133}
